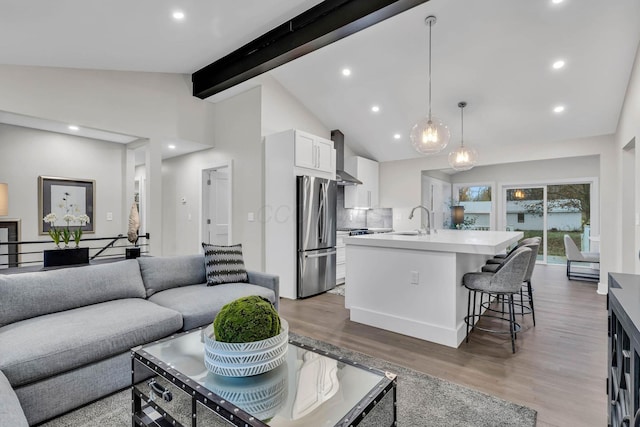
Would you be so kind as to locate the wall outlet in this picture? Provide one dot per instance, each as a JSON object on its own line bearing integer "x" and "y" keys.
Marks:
{"x": 251, "y": 217}
{"x": 415, "y": 277}
{"x": 109, "y": 216}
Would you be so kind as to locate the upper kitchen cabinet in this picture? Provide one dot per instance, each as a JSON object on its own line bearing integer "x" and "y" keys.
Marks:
{"x": 315, "y": 153}
{"x": 365, "y": 195}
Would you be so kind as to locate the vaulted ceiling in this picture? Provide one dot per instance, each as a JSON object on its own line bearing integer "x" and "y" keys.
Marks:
{"x": 496, "y": 55}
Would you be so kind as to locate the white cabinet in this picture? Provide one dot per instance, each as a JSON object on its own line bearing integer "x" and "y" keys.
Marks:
{"x": 366, "y": 194}
{"x": 313, "y": 152}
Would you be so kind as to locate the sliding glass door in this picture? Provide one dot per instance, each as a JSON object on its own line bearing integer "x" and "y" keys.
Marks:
{"x": 550, "y": 211}
{"x": 525, "y": 211}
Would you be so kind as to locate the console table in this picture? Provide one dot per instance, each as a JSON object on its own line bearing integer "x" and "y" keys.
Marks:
{"x": 623, "y": 386}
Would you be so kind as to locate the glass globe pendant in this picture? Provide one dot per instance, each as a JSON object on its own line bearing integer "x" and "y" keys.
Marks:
{"x": 463, "y": 158}
{"x": 430, "y": 135}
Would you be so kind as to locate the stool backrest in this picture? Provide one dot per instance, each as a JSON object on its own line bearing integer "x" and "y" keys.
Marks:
{"x": 532, "y": 262}
{"x": 509, "y": 277}
{"x": 571, "y": 250}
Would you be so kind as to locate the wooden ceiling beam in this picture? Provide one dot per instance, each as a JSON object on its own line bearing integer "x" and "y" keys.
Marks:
{"x": 313, "y": 29}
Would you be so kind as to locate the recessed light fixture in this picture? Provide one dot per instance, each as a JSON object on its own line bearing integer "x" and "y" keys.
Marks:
{"x": 556, "y": 1}
{"x": 172, "y": 147}
{"x": 558, "y": 64}
{"x": 375, "y": 108}
{"x": 346, "y": 72}
{"x": 73, "y": 127}
{"x": 178, "y": 15}
{"x": 558, "y": 109}
{"x": 397, "y": 136}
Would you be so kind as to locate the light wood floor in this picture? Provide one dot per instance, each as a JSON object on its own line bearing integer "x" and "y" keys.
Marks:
{"x": 559, "y": 368}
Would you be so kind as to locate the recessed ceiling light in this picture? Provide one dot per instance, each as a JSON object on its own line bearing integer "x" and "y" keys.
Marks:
{"x": 397, "y": 136}
{"x": 172, "y": 147}
{"x": 556, "y": 1}
{"x": 558, "y": 64}
{"x": 558, "y": 109}
{"x": 375, "y": 108}
{"x": 178, "y": 15}
{"x": 73, "y": 127}
{"x": 346, "y": 72}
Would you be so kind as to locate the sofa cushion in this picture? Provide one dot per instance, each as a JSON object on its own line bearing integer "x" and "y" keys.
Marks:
{"x": 47, "y": 345}
{"x": 224, "y": 264}
{"x": 28, "y": 295}
{"x": 11, "y": 413}
{"x": 199, "y": 304}
{"x": 162, "y": 273}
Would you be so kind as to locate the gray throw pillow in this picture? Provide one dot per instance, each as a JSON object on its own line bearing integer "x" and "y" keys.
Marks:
{"x": 224, "y": 264}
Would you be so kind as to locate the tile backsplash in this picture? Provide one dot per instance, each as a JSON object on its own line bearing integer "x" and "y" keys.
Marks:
{"x": 362, "y": 218}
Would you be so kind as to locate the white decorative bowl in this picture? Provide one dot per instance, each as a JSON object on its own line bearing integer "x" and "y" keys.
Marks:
{"x": 245, "y": 359}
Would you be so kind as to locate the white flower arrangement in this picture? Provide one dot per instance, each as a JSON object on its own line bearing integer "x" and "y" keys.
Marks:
{"x": 65, "y": 233}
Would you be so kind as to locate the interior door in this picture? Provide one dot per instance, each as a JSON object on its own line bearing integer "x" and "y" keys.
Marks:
{"x": 218, "y": 207}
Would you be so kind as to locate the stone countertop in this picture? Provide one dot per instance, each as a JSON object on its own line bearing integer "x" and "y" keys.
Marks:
{"x": 459, "y": 241}
{"x": 625, "y": 289}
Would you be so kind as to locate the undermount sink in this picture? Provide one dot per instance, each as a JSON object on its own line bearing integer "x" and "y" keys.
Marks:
{"x": 406, "y": 232}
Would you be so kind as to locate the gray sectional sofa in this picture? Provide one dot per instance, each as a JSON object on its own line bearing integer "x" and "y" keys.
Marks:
{"x": 65, "y": 334}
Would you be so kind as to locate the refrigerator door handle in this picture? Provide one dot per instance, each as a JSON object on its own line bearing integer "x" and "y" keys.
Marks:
{"x": 319, "y": 255}
{"x": 322, "y": 213}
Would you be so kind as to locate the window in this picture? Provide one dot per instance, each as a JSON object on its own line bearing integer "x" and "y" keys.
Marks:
{"x": 521, "y": 218}
{"x": 478, "y": 205}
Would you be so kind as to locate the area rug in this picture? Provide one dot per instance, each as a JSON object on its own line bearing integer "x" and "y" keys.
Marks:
{"x": 338, "y": 290}
{"x": 423, "y": 400}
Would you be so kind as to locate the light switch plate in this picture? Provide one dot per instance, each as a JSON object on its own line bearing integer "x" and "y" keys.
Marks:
{"x": 109, "y": 216}
{"x": 415, "y": 277}
{"x": 251, "y": 217}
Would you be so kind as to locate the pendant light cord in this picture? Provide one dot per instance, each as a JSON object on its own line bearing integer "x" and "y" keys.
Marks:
{"x": 461, "y": 126}
{"x": 430, "y": 24}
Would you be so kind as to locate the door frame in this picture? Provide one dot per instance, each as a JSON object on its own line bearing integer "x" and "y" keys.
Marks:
{"x": 204, "y": 199}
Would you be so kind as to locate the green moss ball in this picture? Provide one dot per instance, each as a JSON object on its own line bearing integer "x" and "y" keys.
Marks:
{"x": 247, "y": 319}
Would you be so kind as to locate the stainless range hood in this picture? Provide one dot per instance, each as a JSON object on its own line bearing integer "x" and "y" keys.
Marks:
{"x": 342, "y": 177}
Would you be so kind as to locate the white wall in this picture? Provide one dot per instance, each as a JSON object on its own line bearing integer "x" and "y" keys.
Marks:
{"x": 628, "y": 129}
{"x": 238, "y": 141}
{"x": 156, "y": 106}
{"x": 282, "y": 111}
{"x": 27, "y": 153}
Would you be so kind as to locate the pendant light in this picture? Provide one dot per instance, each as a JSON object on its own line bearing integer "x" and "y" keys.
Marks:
{"x": 430, "y": 135}
{"x": 463, "y": 158}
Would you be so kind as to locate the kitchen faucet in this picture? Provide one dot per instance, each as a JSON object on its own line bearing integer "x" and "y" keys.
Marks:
{"x": 427, "y": 227}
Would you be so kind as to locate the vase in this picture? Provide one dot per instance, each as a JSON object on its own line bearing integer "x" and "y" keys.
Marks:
{"x": 68, "y": 256}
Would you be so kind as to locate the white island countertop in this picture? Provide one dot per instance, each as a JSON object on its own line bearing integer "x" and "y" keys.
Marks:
{"x": 459, "y": 241}
{"x": 412, "y": 284}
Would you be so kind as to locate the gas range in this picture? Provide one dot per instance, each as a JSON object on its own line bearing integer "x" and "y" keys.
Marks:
{"x": 361, "y": 231}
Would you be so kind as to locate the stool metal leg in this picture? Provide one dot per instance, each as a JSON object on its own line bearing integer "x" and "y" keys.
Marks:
{"x": 533, "y": 311}
{"x": 468, "y": 312}
{"x": 512, "y": 321}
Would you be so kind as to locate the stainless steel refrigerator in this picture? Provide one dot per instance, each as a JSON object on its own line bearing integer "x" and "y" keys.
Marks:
{"x": 316, "y": 235}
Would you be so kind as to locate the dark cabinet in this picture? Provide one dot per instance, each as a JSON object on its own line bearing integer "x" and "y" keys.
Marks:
{"x": 623, "y": 385}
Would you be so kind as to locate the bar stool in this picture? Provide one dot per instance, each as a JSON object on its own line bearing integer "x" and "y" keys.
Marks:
{"x": 507, "y": 280}
{"x": 492, "y": 268}
{"x": 498, "y": 259}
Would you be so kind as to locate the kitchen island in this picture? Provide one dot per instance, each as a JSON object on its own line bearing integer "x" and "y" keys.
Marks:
{"x": 412, "y": 284}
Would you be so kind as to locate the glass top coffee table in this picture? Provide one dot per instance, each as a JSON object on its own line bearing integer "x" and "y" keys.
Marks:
{"x": 172, "y": 387}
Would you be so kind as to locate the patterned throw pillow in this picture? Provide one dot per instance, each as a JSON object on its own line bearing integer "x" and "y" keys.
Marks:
{"x": 224, "y": 264}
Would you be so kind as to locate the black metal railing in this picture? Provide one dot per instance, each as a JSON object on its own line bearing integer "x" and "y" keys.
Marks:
{"x": 29, "y": 253}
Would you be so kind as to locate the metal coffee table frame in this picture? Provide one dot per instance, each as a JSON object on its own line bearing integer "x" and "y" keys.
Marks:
{"x": 228, "y": 411}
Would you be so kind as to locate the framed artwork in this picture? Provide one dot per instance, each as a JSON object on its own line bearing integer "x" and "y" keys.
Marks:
{"x": 63, "y": 196}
